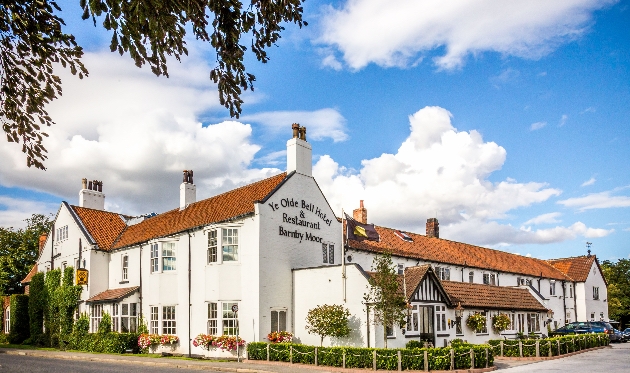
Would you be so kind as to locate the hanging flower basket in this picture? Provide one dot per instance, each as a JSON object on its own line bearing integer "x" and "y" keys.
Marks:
{"x": 501, "y": 322}
{"x": 476, "y": 322}
{"x": 280, "y": 337}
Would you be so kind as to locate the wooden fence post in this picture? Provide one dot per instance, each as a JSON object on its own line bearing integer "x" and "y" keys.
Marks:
{"x": 426, "y": 361}
{"x": 343, "y": 359}
{"x": 452, "y": 359}
{"x": 550, "y": 352}
{"x": 374, "y": 359}
{"x": 472, "y": 359}
{"x": 558, "y": 342}
{"x": 501, "y": 348}
{"x": 291, "y": 354}
{"x": 537, "y": 348}
{"x": 399, "y": 362}
{"x": 267, "y": 351}
{"x": 486, "y": 357}
{"x": 520, "y": 348}
{"x": 315, "y": 356}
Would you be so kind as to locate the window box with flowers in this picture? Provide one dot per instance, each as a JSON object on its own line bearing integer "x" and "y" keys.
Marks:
{"x": 155, "y": 343}
{"x": 227, "y": 343}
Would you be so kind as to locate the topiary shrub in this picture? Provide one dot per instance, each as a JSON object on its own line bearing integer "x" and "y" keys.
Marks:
{"x": 37, "y": 303}
{"x": 19, "y": 324}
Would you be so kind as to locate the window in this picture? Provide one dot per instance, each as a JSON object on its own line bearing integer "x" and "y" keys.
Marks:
{"x": 331, "y": 254}
{"x": 533, "y": 322}
{"x": 62, "y": 233}
{"x": 324, "y": 253}
{"x": 129, "y": 318}
{"x": 512, "y": 317}
{"x": 63, "y": 266}
{"x": 458, "y": 326}
{"x": 125, "y": 267}
{"x": 96, "y": 315}
{"x": 489, "y": 279}
{"x": 595, "y": 292}
{"x": 523, "y": 281}
{"x": 570, "y": 290}
{"x": 212, "y": 246}
{"x": 592, "y": 315}
{"x": 601, "y": 316}
{"x": 168, "y": 256}
{"x": 412, "y": 319}
{"x": 154, "y": 327}
{"x": 229, "y": 240}
{"x": 521, "y": 323}
{"x": 213, "y": 319}
{"x": 440, "y": 315}
{"x": 278, "y": 320}
{"x": 155, "y": 263}
{"x": 568, "y": 317}
{"x": 389, "y": 331}
{"x": 401, "y": 269}
{"x": 115, "y": 318}
{"x": 552, "y": 287}
{"x": 443, "y": 273}
{"x": 7, "y": 320}
{"x": 168, "y": 320}
{"x": 471, "y": 277}
{"x": 484, "y": 330}
{"x": 230, "y": 321}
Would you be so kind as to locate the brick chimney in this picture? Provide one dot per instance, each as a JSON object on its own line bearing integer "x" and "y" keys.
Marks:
{"x": 42, "y": 242}
{"x": 187, "y": 191}
{"x": 299, "y": 152}
{"x": 433, "y": 228}
{"x": 360, "y": 214}
{"x": 91, "y": 194}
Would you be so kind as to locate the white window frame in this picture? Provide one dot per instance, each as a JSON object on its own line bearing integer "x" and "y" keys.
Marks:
{"x": 552, "y": 288}
{"x": 324, "y": 253}
{"x": 229, "y": 244}
{"x": 533, "y": 323}
{"x": 595, "y": 292}
{"x": 155, "y": 257}
{"x": 390, "y": 332}
{"x": 125, "y": 267}
{"x": 484, "y": 330}
{"x": 7, "y": 320}
{"x": 401, "y": 268}
{"x": 154, "y": 321}
{"x": 489, "y": 279}
{"x": 213, "y": 246}
{"x": 568, "y": 316}
{"x": 413, "y": 320}
{"x": 279, "y": 314}
{"x": 129, "y": 316}
{"x": 169, "y": 256}
{"x": 169, "y": 320}
{"x": 592, "y": 316}
{"x": 443, "y": 273}
{"x": 96, "y": 315}
{"x": 229, "y": 319}
{"x": 115, "y": 317}
{"x": 440, "y": 319}
{"x": 213, "y": 318}
{"x": 471, "y": 277}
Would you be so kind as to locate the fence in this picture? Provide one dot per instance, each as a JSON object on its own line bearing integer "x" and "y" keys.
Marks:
{"x": 548, "y": 347}
{"x": 461, "y": 357}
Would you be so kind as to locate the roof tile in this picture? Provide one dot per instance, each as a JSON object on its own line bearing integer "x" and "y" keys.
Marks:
{"x": 113, "y": 294}
{"x": 103, "y": 226}
{"x": 577, "y": 268}
{"x": 491, "y": 297}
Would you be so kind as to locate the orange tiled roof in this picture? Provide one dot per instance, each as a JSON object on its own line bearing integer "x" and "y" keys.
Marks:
{"x": 444, "y": 251}
{"x": 113, "y": 294}
{"x": 232, "y": 204}
{"x": 413, "y": 277}
{"x": 30, "y": 275}
{"x": 491, "y": 297}
{"x": 103, "y": 226}
{"x": 577, "y": 268}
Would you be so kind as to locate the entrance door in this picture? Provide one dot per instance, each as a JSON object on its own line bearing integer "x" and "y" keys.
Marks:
{"x": 426, "y": 323}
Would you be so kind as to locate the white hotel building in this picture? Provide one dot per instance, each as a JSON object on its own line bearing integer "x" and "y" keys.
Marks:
{"x": 273, "y": 248}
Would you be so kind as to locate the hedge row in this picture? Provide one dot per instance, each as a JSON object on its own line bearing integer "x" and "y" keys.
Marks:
{"x": 386, "y": 359}
{"x": 113, "y": 343}
{"x": 19, "y": 328}
{"x": 569, "y": 343}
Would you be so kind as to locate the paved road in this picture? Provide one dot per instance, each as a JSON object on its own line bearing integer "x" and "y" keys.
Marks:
{"x": 609, "y": 360}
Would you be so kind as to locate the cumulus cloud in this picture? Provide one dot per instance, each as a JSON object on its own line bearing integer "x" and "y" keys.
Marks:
{"x": 602, "y": 200}
{"x": 136, "y": 133}
{"x": 537, "y": 126}
{"x": 563, "y": 120}
{"x": 398, "y": 32}
{"x": 13, "y": 211}
{"x": 440, "y": 171}
{"x": 549, "y": 218}
{"x": 588, "y": 182}
{"x": 320, "y": 124}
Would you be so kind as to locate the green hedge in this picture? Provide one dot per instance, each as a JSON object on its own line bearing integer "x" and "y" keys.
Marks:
{"x": 20, "y": 328}
{"x": 113, "y": 343}
{"x": 568, "y": 343}
{"x": 37, "y": 303}
{"x": 387, "y": 359}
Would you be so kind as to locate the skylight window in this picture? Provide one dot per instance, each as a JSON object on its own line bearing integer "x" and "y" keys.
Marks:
{"x": 404, "y": 236}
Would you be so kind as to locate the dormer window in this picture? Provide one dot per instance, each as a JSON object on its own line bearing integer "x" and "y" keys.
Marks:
{"x": 403, "y": 236}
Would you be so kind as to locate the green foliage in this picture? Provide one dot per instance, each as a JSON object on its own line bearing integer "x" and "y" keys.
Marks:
{"x": 476, "y": 321}
{"x": 37, "y": 303}
{"x": 569, "y": 343}
{"x": 105, "y": 325}
{"x": 20, "y": 330}
{"x": 33, "y": 40}
{"x": 618, "y": 277}
{"x": 142, "y": 325}
{"x": 19, "y": 248}
{"x": 388, "y": 303}
{"x": 51, "y": 316}
{"x": 111, "y": 343}
{"x": 414, "y": 344}
{"x": 328, "y": 321}
{"x": 62, "y": 304}
{"x": 363, "y": 358}
{"x": 500, "y": 322}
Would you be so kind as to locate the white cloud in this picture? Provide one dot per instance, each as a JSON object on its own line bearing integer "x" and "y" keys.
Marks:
{"x": 563, "y": 120}
{"x": 537, "y": 126}
{"x": 398, "y": 32}
{"x": 627, "y": 229}
{"x": 589, "y": 109}
{"x": 544, "y": 219}
{"x": 273, "y": 158}
{"x": 136, "y": 133}
{"x": 440, "y": 171}
{"x": 13, "y": 211}
{"x": 588, "y": 182}
{"x": 506, "y": 76}
{"x": 320, "y": 124}
{"x": 602, "y": 200}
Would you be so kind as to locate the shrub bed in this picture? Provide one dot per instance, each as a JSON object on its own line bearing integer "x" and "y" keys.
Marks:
{"x": 386, "y": 359}
{"x": 568, "y": 344}
{"x": 114, "y": 343}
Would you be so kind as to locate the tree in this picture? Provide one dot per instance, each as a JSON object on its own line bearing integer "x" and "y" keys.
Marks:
{"x": 388, "y": 302}
{"x": 19, "y": 250}
{"x": 328, "y": 321}
{"x": 618, "y": 277}
{"x": 32, "y": 40}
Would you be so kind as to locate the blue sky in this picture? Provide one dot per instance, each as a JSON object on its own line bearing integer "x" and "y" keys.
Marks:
{"x": 506, "y": 120}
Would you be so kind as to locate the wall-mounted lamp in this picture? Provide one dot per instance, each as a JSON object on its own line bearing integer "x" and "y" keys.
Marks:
{"x": 459, "y": 310}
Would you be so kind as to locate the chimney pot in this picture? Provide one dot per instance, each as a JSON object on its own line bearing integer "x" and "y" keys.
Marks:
{"x": 433, "y": 228}
{"x": 187, "y": 190}
{"x": 360, "y": 214}
{"x": 91, "y": 196}
{"x": 299, "y": 152}
{"x": 296, "y": 130}
{"x": 84, "y": 183}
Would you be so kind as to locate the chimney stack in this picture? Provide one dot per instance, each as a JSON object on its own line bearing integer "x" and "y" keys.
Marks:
{"x": 433, "y": 228}
{"x": 299, "y": 152}
{"x": 187, "y": 191}
{"x": 360, "y": 214}
{"x": 91, "y": 195}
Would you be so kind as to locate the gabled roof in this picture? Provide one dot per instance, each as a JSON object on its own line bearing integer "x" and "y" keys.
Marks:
{"x": 439, "y": 250}
{"x": 113, "y": 294}
{"x": 492, "y": 297}
{"x": 577, "y": 267}
{"x": 30, "y": 275}
{"x": 104, "y": 227}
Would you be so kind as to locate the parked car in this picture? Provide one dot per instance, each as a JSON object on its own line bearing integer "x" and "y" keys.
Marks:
{"x": 626, "y": 334}
{"x": 604, "y": 327}
{"x": 571, "y": 328}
